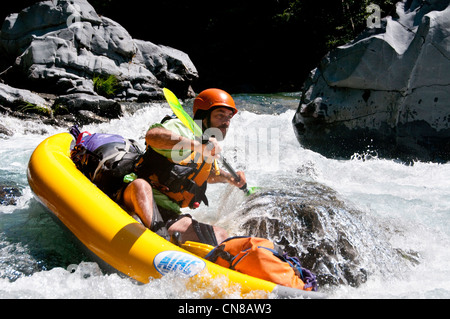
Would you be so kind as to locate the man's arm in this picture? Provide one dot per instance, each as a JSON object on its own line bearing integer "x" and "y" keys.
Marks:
{"x": 161, "y": 138}
{"x": 226, "y": 177}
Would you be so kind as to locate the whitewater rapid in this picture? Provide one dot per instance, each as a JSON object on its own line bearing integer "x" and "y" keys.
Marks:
{"x": 37, "y": 260}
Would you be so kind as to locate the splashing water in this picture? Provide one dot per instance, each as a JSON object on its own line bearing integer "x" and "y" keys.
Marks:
{"x": 387, "y": 211}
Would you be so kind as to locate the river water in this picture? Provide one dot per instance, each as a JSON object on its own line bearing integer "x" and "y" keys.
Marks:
{"x": 39, "y": 260}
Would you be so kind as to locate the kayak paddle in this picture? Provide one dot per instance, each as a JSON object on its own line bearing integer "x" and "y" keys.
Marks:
{"x": 245, "y": 189}
{"x": 176, "y": 107}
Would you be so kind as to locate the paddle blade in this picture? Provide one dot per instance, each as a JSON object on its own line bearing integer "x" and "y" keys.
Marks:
{"x": 253, "y": 190}
{"x": 176, "y": 107}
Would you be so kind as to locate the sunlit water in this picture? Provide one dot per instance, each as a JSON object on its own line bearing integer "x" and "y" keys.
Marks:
{"x": 37, "y": 258}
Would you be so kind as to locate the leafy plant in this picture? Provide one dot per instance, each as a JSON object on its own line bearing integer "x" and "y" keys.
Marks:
{"x": 30, "y": 108}
{"x": 106, "y": 85}
{"x": 60, "y": 109}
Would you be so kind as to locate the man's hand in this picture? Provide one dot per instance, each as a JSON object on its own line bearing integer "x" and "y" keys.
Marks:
{"x": 226, "y": 177}
{"x": 212, "y": 149}
{"x": 242, "y": 180}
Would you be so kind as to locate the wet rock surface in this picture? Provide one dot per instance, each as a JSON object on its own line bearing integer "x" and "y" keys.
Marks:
{"x": 9, "y": 195}
{"x": 339, "y": 243}
{"x": 386, "y": 90}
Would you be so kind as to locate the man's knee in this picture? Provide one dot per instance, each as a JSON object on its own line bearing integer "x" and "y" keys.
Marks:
{"x": 138, "y": 199}
{"x": 137, "y": 190}
{"x": 140, "y": 185}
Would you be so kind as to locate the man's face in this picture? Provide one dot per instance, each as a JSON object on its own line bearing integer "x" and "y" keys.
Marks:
{"x": 220, "y": 119}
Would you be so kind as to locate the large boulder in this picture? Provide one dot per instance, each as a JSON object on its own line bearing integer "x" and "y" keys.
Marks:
{"x": 339, "y": 243}
{"x": 61, "y": 46}
{"x": 387, "y": 91}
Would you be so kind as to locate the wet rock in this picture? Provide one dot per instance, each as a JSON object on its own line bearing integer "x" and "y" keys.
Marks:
{"x": 74, "y": 103}
{"x": 387, "y": 90}
{"x": 8, "y": 195}
{"x": 61, "y": 46}
{"x": 340, "y": 244}
{"x": 5, "y": 131}
{"x": 18, "y": 99}
{"x": 79, "y": 108}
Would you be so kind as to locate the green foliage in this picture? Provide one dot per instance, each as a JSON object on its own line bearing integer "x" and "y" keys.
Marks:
{"x": 106, "y": 85}
{"x": 333, "y": 23}
{"x": 60, "y": 109}
{"x": 30, "y": 108}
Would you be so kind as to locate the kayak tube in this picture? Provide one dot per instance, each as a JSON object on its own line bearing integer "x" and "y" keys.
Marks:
{"x": 117, "y": 239}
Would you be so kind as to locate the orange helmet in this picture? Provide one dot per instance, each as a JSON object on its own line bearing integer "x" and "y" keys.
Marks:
{"x": 212, "y": 98}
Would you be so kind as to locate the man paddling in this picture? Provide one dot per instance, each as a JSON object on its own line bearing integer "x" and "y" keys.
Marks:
{"x": 176, "y": 168}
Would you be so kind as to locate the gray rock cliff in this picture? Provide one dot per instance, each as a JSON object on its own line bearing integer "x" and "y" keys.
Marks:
{"x": 61, "y": 47}
{"x": 388, "y": 90}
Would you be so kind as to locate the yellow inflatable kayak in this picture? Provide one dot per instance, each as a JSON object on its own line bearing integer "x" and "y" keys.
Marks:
{"x": 115, "y": 237}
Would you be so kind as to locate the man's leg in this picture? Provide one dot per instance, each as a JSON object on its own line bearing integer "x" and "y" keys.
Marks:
{"x": 138, "y": 198}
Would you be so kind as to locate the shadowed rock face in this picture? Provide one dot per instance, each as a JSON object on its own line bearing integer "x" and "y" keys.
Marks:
{"x": 387, "y": 90}
{"x": 340, "y": 244}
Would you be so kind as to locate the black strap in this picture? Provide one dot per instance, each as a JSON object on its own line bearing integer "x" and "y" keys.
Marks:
{"x": 205, "y": 233}
{"x": 168, "y": 118}
{"x": 220, "y": 252}
{"x": 158, "y": 225}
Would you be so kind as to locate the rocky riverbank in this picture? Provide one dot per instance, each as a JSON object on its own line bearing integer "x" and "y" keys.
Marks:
{"x": 61, "y": 62}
